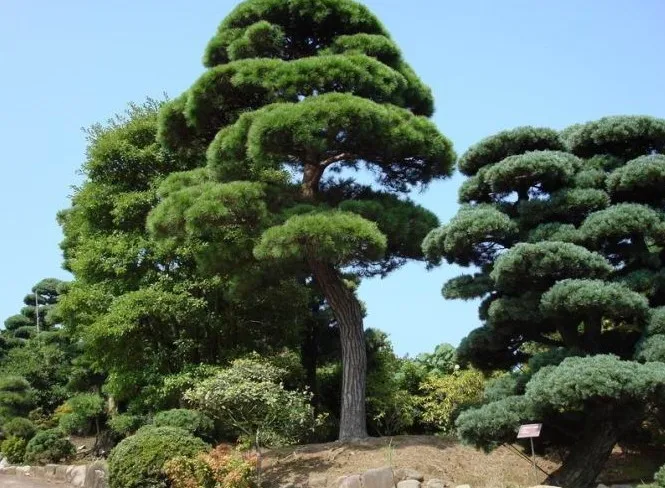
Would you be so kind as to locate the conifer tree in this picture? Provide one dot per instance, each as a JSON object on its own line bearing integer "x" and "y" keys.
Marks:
{"x": 298, "y": 95}
{"x": 566, "y": 232}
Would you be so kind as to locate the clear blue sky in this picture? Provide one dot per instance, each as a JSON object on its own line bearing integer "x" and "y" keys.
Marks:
{"x": 492, "y": 65}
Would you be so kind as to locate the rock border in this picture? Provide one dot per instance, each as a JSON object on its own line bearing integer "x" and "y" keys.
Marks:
{"x": 94, "y": 475}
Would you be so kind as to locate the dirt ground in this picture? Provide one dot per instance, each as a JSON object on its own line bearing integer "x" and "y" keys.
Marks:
{"x": 435, "y": 457}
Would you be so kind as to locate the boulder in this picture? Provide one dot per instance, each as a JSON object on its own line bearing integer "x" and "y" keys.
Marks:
{"x": 24, "y": 470}
{"x": 75, "y": 475}
{"x": 378, "y": 478}
{"x": 402, "y": 474}
{"x": 409, "y": 484}
{"x": 60, "y": 472}
{"x": 96, "y": 476}
{"x": 352, "y": 481}
{"x": 3, "y": 462}
{"x": 8, "y": 470}
{"x": 49, "y": 471}
{"x": 435, "y": 483}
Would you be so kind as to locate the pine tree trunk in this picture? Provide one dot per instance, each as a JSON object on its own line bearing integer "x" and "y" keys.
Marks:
{"x": 585, "y": 460}
{"x": 348, "y": 312}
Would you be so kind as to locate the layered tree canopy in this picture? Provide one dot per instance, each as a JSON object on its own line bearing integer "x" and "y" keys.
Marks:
{"x": 299, "y": 95}
{"x": 565, "y": 232}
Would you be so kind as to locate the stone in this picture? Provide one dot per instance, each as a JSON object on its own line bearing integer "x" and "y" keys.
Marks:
{"x": 402, "y": 474}
{"x": 435, "y": 483}
{"x": 544, "y": 486}
{"x": 75, "y": 475}
{"x": 39, "y": 472}
{"x": 24, "y": 470}
{"x": 352, "y": 481}
{"x": 3, "y": 462}
{"x": 60, "y": 472}
{"x": 8, "y": 470}
{"x": 463, "y": 486}
{"x": 96, "y": 475}
{"x": 409, "y": 484}
{"x": 49, "y": 471}
{"x": 378, "y": 478}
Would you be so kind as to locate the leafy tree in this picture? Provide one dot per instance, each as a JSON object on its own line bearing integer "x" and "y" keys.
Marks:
{"x": 442, "y": 361}
{"x": 295, "y": 94}
{"x": 38, "y": 311}
{"x": 566, "y": 234}
{"x": 142, "y": 308}
{"x": 445, "y": 396}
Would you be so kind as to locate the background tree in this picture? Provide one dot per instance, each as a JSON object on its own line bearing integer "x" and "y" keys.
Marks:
{"x": 566, "y": 235}
{"x": 295, "y": 94}
{"x": 142, "y": 308}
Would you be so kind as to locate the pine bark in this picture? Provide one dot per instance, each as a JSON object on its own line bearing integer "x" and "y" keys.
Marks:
{"x": 349, "y": 315}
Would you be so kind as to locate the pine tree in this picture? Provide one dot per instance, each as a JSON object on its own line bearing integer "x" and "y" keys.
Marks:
{"x": 566, "y": 232}
{"x": 296, "y": 93}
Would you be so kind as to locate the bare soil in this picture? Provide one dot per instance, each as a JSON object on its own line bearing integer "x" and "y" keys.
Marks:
{"x": 436, "y": 457}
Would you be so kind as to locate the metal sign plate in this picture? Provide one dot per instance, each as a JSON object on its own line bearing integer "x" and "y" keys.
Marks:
{"x": 529, "y": 430}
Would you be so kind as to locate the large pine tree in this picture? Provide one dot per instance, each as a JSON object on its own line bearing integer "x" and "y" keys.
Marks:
{"x": 298, "y": 95}
{"x": 567, "y": 235}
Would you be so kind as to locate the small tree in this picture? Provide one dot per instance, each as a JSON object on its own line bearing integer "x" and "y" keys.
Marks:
{"x": 250, "y": 396}
{"x": 16, "y": 397}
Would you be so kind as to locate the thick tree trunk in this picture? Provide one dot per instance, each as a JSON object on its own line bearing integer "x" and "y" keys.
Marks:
{"x": 348, "y": 312}
{"x": 586, "y": 458}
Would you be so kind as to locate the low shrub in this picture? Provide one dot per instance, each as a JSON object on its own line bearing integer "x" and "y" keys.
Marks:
{"x": 49, "y": 446}
{"x": 220, "y": 468}
{"x": 138, "y": 460}
{"x": 19, "y": 427}
{"x": 83, "y": 409}
{"x": 13, "y": 448}
{"x": 194, "y": 422}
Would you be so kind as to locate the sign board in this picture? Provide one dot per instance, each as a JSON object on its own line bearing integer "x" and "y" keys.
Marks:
{"x": 529, "y": 430}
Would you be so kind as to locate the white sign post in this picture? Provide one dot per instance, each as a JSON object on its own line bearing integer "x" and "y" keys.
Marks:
{"x": 529, "y": 431}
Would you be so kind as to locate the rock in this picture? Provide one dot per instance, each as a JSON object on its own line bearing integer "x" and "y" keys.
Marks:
{"x": 75, "y": 475}
{"x": 24, "y": 470}
{"x": 287, "y": 485}
{"x": 409, "y": 484}
{"x": 403, "y": 474}
{"x": 435, "y": 483}
{"x": 39, "y": 472}
{"x": 8, "y": 470}
{"x": 60, "y": 472}
{"x": 544, "y": 486}
{"x": 3, "y": 462}
{"x": 352, "y": 481}
{"x": 463, "y": 486}
{"x": 96, "y": 475}
{"x": 378, "y": 478}
{"x": 49, "y": 471}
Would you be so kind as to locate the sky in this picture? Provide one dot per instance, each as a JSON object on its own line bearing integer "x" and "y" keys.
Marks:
{"x": 491, "y": 65}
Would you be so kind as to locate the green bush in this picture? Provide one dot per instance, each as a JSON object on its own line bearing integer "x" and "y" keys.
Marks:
{"x": 19, "y": 427}
{"x": 125, "y": 424}
{"x": 138, "y": 460}
{"x": 192, "y": 421}
{"x": 49, "y": 446}
{"x": 83, "y": 409}
{"x": 13, "y": 448}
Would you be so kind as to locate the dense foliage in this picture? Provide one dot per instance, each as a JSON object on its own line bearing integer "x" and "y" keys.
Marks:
{"x": 219, "y": 468}
{"x": 196, "y": 423}
{"x": 294, "y": 94}
{"x": 48, "y": 447}
{"x": 566, "y": 233}
{"x": 138, "y": 461}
